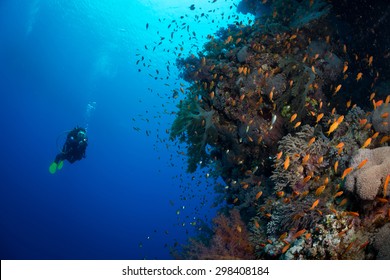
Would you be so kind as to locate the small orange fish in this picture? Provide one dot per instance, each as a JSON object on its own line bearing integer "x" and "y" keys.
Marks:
{"x": 378, "y": 103}
{"x": 319, "y": 117}
{"x": 279, "y": 155}
{"x": 280, "y": 194}
{"x": 385, "y": 185}
{"x": 384, "y": 139}
{"x": 326, "y": 181}
{"x": 343, "y": 202}
{"x": 257, "y": 225}
{"x": 348, "y": 103}
{"x": 285, "y": 248}
{"x": 345, "y": 68}
{"x": 305, "y": 159}
{"x": 271, "y": 95}
{"x": 305, "y": 193}
{"x": 320, "y": 190}
{"x": 333, "y": 127}
{"x": 313, "y": 70}
{"x": 370, "y": 59}
{"x": 239, "y": 229}
{"x": 336, "y": 165}
{"x": 362, "y": 121}
{"x": 387, "y": 99}
{"x": 299, "y": 233}
{"x": 311, "y": 141}
{"x": 338, "y": 194}
{"x": 345, "y": 48}
{"x": 364, "y": 161}
{"x": 212, "y": 94}
{"x": 382, "y": 200}
{"x": 320, "y": 160}
{"x": 385, "y": 115}
{"x": 375, "y": 135}
{"x": 293, "y": 117}
{"x": 286, "y": 163}
{"x": 315, "y": 203}
{"x": 297, "y": 124}
{"x": 337, "y": 89}
{"x": 258, "y": 195}
{"x": 346, "y": 172}
{"x": 283, "y": 236}
{"x": 340, "y": 145}
{"x": 340, "y": 119}
{"x": 235, "y": 200}
{"x": 367, "y": 143}
{"x": 359, "y": 76}
{"x": 355, "y": 214}
{"x": 372, "y": 96}
{"x": 306, "y": 179}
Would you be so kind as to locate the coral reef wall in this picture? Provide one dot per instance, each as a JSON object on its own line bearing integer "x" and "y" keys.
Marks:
{"x": 285, "y": 110}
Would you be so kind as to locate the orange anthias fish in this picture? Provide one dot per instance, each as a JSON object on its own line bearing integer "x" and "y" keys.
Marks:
{"x": 336, "y": 165}
{"x": 359, "y": 76}
{"x": 367, "y": 143}
{"x": 346, "y": 172}
{"x": 364, "y": 161}
{"x": 286, "y": 163}
{"x": 338, "y": 194}
{"x": 340, "y": 119}
{"x": 305, "y": 159}
{"x": 337, "y": 89}
{"x": 258, "y": 195}
{"x": 315, "y": 203}
{"x": 320, "y": 190}
{"x": 370, "y": 59}
{"x": 297, "y": 124}
{"x": 345, "y": 68}
{"x": 385, "y": 185}
{"x": 332, "y": 128}
{"x": 293, "y": 117}
{"x": 311, "y": 141}
{"x": 340, "y": 145}
{"x": 319, "y": 117}
{"x": 299, "y": 233}
{"x": 306, "y": 179}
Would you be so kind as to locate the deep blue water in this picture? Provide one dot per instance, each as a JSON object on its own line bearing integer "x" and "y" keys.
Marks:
{"x": 121, "y": 202}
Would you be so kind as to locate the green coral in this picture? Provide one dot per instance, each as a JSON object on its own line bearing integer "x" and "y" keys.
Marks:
{"x": 194, "y": 125}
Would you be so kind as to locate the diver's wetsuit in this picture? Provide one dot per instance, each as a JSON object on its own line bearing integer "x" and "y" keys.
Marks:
{"x": 74, "y": 147}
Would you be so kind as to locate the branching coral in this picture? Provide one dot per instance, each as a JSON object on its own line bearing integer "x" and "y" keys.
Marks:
{"x": 367, "y": 182}
{"x": 229, "y": 241}
{"x": 195, "y": 126}
{"x": 296, "y": 148}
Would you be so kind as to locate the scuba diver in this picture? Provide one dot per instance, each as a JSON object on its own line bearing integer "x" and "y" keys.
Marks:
{"x": 73, "y": 149}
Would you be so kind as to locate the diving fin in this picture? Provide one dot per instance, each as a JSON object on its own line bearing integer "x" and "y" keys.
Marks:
{"x": 53, "y": 168}
{"x": 60, "y": 165}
